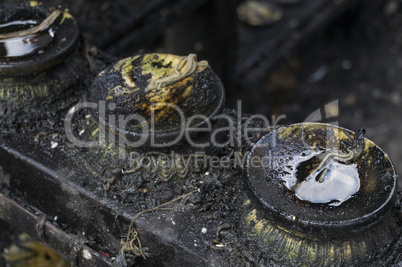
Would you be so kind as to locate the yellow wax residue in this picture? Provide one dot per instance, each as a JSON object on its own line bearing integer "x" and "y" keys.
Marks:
{"x": 33, "y": 3}
{"x": 66, "y": 15}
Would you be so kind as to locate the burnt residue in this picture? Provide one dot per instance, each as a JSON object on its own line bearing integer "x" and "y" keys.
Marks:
{"x": 141, "y": 81}
{"x": 337, "y": 227}
{"x": 54, "y": 50}
{"x": 275, "y": 185}
{"x": 32, "y": 100}
{"x": 199, "y": 94}
{"x": 32, "y": 95}
{"x": 159, "y": 64}
{"x": 107, "y": 200}
{"x": 220, "y": 196}
{"x": 305, "y": 168}
{"x": 110, "y": 199}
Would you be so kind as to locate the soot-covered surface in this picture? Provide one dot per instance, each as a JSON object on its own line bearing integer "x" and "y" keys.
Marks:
{"x": 366, "y": 64}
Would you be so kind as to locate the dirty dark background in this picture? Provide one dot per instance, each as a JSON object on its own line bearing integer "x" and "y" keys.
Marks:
{"x": 351, "y": 52}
